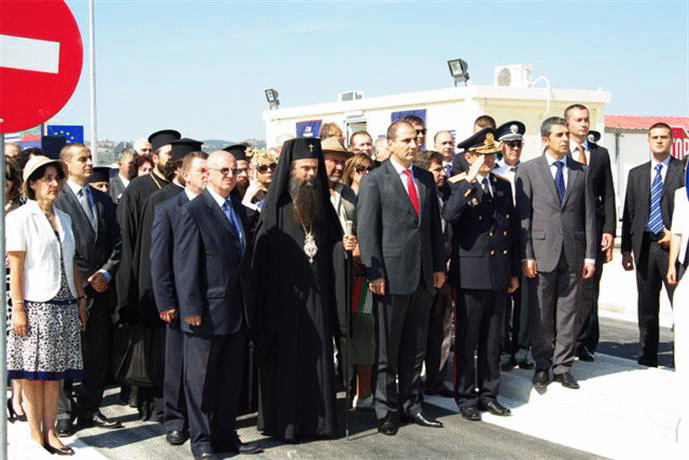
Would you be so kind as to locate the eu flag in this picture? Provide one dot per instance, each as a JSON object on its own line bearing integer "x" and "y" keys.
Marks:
{"x": 73, "y": 134}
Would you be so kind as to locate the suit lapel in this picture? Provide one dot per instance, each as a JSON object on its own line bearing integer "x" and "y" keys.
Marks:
{"x": 84, "y": 223}
{"x": 217, "y": 213}
{"x": 573, "y": 171}
{"x": 670, "y": 180}
{"x": 396, "y": 182}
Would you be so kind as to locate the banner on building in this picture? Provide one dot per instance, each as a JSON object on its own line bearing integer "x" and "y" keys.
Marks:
{"x": 311, "y": 128}
{"x": 29, "y": 138}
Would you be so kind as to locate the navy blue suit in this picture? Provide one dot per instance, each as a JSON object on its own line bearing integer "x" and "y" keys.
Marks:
{"x": 165, "y": 223}
{"x": 209, "y": 282}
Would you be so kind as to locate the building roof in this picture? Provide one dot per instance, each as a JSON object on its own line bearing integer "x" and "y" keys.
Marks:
{"x": 642, "y": 123}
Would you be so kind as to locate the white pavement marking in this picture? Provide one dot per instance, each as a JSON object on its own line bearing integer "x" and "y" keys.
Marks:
{"x": 29, "y": 54}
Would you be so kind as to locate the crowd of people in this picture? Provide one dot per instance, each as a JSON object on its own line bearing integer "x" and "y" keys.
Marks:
{"x": 208, "y": 285}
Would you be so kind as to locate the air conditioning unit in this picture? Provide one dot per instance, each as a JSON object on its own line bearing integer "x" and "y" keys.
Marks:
{"x": 514, "y": 76}
{"x": 347, "y": 96}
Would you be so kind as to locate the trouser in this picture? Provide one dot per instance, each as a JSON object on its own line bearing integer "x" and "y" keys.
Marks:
{"x": 553, "y": 317}
{"x": 213, "y": 379}
{"x": 175, "y": 408}
{"x": 478, "y": 328}
{"x": 589, "y": 334}
{"x": 515, "y": 320}
{"x": 439, "y": 337}
{"x": 401, "y": 326}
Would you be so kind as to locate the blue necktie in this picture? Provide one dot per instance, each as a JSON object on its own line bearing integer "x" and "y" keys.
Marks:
{"x": 655, "y": 216}
{"x": 86, "y": 201}
{"x": 234, "y": 220}
{"x": 560, "y": 181}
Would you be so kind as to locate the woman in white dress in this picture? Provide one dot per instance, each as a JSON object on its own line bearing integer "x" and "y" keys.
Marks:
{"x": 680, "y": 304}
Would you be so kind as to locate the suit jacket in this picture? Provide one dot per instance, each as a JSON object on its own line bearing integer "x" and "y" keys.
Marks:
{"x": 600, "y": 175}
{"x": 637, "y": 202}
{"x": 485, "y": 246}
{"x": 116, "y": 188}
{"x": 165, "y": 223}
{"x": 212, "y": 270}
{"x": 547, "y": 227}
{"x": 396, "y": 244}
{"x": 98, "y": 248}
{"x": 347, "y": 202}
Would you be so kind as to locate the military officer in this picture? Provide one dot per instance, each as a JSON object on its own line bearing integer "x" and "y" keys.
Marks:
{"x": 484, "y": 269}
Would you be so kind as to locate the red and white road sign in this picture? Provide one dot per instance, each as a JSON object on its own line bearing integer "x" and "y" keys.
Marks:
{"x": 680, "y": 142}
{"x": 41, "y": 54}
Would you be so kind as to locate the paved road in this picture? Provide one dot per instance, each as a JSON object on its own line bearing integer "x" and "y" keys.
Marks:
{"x": 459, "y": 439}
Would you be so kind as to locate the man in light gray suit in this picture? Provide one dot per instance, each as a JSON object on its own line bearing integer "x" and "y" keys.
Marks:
{"x": 556, "y": 209}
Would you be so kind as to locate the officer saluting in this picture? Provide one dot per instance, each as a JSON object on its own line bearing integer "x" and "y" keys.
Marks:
{"x": 484, "y": 269}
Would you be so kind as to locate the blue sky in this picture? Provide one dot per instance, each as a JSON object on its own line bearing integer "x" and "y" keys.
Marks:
{"x": 201, "y": 66}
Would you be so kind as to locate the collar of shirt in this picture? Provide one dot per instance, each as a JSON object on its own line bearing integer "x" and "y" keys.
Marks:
{"x": 76, "y": 188}
{"x": 551, "y": 159}
{"x": 124, "y": 180}
{"x": 573, "y": 146}
{"x": 663, "y": 170}
{"x": 399, "y": 168}
{"x": 218, "y": 199}
{"x": 479, "y": 179}
{"x": 191, "y": 195}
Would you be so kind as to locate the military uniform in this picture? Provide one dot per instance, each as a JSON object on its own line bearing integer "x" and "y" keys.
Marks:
{"x": 484, "y": 258}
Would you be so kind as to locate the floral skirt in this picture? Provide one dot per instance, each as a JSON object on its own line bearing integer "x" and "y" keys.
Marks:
{"x": 52, "y": 348}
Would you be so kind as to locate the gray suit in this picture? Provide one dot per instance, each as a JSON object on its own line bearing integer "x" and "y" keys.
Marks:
{"x": 559, "y": 237}
{"x": 405, "y": 250}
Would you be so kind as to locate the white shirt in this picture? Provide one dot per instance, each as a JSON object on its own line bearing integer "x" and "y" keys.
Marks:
{"x": 218, "y": 199}
{"x": 663, "y": 170}
{"x": 479, "y": 179}
{"x": 124, "y": 180}
{"x": 575, "y": 152}
{"x": 403, "y": 176}
{"x": 190, "y": 194}
{"x": 509, "y": 173}
{"x": 553, "y": 169}
{"x": 28, "y": 230}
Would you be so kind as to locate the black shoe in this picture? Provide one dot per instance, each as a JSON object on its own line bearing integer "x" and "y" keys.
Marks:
{"x": 508, "y": 364}
{"x": 495, "y": 408}
{"x": 441, "y": 390}
{"x": 388, "y": 426}
{"x": 470, "y": 413}
{"x": 566, "y": 380}
{"x": 586, "y": 355}
{"x": 248, "y": 449}
{"x": 207, "y": 456}
{"x": 11, "y": 415}
{"x": 540, "y": 379}
{"x": 176, "y": 438}
{"x": 420, "y": 420}
{"x": 64, "y": 450}
{"x": 64, "y": 428}
{"x": 99, "y": 420}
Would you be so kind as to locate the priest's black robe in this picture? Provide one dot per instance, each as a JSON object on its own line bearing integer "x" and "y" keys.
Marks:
{"x": 295, "y": 322}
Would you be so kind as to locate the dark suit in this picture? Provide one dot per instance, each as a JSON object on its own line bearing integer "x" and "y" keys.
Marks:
{"x": 600, "y": 175}
{"x": 405, "y": 250}
{"x": 96, "y": 249}
{"x": 165, "y": 223}
{"x": 558, "y": 236}
{"x": 209, "y": 284}
{"x": 651, "y": 260}
{"x": 485, "y": 255}
{"x": 116, "y": 188}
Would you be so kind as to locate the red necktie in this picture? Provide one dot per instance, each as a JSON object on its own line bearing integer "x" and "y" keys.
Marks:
{"x": 411, "y": 189}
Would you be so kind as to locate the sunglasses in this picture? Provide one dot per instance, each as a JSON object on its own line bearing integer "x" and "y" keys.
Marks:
{"x": 421, "y": 131}
{"x": 513, "y": 144}
{"x": 361, "y": 169}
{"x": 264, "y": 168}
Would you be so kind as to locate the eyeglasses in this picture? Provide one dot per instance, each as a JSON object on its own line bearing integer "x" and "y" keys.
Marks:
{"x": 514, "y": 144}
{"x": 264, "y": 168}
{"x": 361, "y": 169}
{"x": 226, "y": 171}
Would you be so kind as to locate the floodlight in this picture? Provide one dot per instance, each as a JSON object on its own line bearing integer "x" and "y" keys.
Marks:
{"x": 272, "y": 98}
{"x": 458, "y": 70}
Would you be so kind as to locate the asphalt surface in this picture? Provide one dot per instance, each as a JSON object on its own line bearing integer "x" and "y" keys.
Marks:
{"x": 460, "y": 439}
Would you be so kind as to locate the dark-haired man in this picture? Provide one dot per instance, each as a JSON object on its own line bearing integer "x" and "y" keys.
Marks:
{"x": 420, "y": 129}
{"x": 648, "y": 206}
{"x": 555, "y": 205}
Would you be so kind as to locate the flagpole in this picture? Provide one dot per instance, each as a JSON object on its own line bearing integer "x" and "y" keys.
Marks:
{"x": 92, "y": 71}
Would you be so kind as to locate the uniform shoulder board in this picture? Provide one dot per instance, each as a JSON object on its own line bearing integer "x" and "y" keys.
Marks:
{"x": 457, "y": 178}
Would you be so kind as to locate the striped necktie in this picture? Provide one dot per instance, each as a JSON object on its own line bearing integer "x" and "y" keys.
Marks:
{"x": 655, "y": 216}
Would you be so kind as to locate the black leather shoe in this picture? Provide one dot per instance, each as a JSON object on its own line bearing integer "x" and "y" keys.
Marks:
{"x": 470, "y": 413}
{"x": 249, "y": 449}
{"x": 566, "y": 380}
{"x": 508, "y": 364}
{"x": 176, "y": 438}
{"x": 586, "y": 355}
{"x": 64, "y": 428}
{"x": 495, "y": 408}
{"x": 64, "y": 450}
{"x": 420, "y": 420}
{"x": 441, "y": 390}
{"x": 207, "y": 456}
{"x": 540, "y": 379}
{"x": 100, "y": 420}
{"x": 388, "y": 426}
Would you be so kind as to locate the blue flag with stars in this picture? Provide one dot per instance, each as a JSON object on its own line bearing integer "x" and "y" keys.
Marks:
{"x": 73, "y": 134}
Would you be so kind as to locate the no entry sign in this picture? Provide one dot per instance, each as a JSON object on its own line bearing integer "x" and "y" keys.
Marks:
{"x": 680, "y": 142}
{"x": 41, "y": 55}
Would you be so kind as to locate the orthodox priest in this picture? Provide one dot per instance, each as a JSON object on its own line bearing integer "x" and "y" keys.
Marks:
{"x": 295, "y": 316}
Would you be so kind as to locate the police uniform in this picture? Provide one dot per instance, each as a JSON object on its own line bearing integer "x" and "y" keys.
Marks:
{"x": 484, "y": 258}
